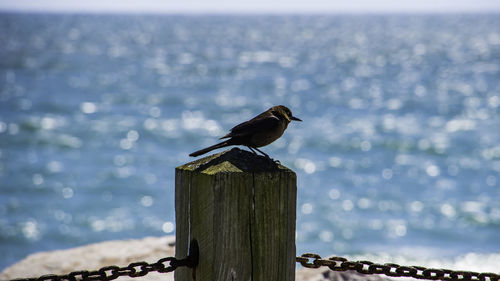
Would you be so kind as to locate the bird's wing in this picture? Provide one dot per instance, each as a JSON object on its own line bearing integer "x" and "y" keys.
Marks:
{"x": 262, "y": 122}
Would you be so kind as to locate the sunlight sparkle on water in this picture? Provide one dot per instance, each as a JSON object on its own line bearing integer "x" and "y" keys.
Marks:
{"x": 88, "y": 107}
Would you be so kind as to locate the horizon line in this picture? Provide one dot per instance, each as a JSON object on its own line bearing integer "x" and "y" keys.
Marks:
{"x": 248, "y": 12}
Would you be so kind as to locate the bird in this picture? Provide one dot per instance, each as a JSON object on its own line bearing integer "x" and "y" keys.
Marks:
{"x": 259, "y": 131}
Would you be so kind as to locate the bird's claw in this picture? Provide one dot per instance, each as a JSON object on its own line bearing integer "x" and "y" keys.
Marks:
{"x": 273, "y": 160}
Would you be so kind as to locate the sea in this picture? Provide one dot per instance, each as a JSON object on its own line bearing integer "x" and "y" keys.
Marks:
{"x": 397, "y": 157}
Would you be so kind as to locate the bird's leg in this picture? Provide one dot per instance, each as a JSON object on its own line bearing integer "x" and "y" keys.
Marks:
{"x": 262, "y": 152}
{"x": 267, "y": 156}
{"x": 252, "y": 150}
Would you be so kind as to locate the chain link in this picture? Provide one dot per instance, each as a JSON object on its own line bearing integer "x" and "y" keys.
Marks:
{"x": 135, "y": 269}
{"x": 310, "y": 260}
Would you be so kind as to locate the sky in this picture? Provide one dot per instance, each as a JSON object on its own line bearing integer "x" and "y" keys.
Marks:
{"x": 253, "y": 6}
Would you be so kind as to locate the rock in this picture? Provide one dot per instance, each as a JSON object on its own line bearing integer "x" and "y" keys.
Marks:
{"x": 123, "y": 252}
{"x": 325, "y": 274}
{"x": 95, "y": 256}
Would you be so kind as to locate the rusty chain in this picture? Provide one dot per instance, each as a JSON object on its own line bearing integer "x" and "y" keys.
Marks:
{"x": 309, "y": 260}
{"x": 135, "y": 269}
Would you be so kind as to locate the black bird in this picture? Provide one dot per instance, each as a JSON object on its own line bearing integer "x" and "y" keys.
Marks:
{"x": 261, "y": 130}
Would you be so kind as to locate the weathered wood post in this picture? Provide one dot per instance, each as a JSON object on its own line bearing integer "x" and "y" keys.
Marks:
{"x": 240, "y": 208}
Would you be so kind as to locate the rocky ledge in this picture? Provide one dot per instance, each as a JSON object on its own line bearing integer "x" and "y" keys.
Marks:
{"x": 124, "y": 252}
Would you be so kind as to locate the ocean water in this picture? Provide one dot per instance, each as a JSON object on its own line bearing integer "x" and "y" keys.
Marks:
{"x": 398, "y": 156}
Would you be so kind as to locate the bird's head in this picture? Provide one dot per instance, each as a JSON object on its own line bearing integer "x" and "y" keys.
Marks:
{"x": 283, "y": 112}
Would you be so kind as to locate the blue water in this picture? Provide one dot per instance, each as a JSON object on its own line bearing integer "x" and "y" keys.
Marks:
{"x": 399, "y": 151}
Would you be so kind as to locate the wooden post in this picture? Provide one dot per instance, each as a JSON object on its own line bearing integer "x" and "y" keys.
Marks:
{"x": 240, "y": 208}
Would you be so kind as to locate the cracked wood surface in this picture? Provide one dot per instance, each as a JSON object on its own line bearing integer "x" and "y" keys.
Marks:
{"x": 241, "y": 208}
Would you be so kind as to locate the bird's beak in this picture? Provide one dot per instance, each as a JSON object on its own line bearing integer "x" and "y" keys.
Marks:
{"x": 295, "y": 118}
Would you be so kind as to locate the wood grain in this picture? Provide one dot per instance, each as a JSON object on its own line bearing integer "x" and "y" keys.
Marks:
{"x": 241, "y": 209}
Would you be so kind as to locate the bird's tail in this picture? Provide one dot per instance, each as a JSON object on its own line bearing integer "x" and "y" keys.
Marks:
{"x": 210, "y": 148}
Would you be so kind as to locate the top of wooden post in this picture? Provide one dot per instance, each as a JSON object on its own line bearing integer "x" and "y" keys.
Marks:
{"x": 234, "y": 160}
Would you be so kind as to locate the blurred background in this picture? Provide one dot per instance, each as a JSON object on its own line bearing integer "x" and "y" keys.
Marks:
{"x": 398, "y": 157}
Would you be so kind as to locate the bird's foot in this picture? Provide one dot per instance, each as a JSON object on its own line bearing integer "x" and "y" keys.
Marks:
{"x": 264, "y": 155}
{"x": 272, "y": 160}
